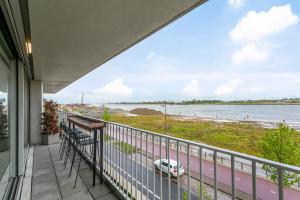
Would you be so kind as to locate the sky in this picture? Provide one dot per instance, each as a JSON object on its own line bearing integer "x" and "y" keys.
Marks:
{"x": 226, "y": 50}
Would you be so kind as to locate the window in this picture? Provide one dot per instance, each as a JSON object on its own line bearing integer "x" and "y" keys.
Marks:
{"x": 8, "y": 110}
{"x": 4, "y": 120}
{"x": 164, "y": 164}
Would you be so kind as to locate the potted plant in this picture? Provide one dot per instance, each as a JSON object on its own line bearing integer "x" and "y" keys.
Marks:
{"x": 50, "y": 128}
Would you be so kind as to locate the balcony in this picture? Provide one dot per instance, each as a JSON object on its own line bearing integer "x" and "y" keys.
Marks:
{"x": 124, "y": 158}
{"x": 47, "y": 45}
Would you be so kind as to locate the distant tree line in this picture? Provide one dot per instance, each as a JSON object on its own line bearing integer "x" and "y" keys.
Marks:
{"x": 220, "y": 102}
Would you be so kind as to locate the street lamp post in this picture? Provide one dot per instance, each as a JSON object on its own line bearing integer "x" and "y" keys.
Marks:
{"x": 165, "y": 113}
{"x": 165, "y": 116}
{"x": 165, "y": 106}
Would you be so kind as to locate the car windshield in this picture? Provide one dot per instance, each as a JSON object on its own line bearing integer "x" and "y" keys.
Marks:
{"x": 180, "y": 166}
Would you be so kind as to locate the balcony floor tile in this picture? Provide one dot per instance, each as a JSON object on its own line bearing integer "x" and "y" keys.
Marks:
{"x": 50, "y": 179}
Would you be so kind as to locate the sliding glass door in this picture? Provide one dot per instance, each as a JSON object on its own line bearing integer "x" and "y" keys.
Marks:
{"x": 4, "y": 121}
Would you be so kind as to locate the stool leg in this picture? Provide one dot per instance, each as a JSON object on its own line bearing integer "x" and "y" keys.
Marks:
{"x": 63, "y": 149}
{"x": 77, "y": 171}
{"x": 61, "y": 144}
{"x": 66, "y": 157}
{"x": 72, "y": 163}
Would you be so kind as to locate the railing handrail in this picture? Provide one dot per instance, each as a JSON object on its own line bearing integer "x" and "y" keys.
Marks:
{"x": 275, "y": 164}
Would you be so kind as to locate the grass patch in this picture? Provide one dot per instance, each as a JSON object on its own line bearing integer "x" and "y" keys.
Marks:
{"x": 125, "y": 148}
{"x": 237, "y": 136}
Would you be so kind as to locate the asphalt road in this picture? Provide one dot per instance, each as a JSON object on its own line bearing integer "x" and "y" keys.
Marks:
{"x": 139, "y": 172}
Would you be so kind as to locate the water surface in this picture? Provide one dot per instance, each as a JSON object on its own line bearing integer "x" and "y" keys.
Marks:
{"x": 263, "y": 113}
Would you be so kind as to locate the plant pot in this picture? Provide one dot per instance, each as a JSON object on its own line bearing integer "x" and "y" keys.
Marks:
{"x": 50, "y": 139}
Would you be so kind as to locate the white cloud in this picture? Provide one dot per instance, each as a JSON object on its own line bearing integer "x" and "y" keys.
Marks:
{"x": 228, "y": 88}
{"x": 192, "y": 88}
{"x": 236, "y": 3}
{"x": 253, "y": 29}
{"x": 250, "y": 53}
{"x": 257, "y": 25}
{"x": 115, "y": 88}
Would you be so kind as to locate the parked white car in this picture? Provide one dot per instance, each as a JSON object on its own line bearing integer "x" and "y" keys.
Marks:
{"x": 173, "y": 167}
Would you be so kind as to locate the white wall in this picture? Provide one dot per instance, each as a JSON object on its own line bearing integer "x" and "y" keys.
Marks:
{"x": 36, "y": 103}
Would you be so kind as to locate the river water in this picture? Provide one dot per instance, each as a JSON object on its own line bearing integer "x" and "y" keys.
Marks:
{"x": 268, "y": 114}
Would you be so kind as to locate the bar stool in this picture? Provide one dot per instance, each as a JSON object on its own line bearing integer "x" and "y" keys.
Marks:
{"x": 80, "y": 142}
{"x": 65, "y": 144}
{"x": 72, "y": 135}
{"x": 62, "y": 126}
{"x": 64, "y": 141}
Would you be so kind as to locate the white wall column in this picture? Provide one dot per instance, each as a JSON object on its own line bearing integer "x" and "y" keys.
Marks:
{"x": 36, "y": 103}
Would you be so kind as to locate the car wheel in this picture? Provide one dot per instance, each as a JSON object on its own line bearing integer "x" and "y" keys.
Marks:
{"x": 172, "y": 175}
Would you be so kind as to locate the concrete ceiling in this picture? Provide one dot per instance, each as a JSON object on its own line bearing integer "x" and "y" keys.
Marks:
{"x": 72, "y": 37}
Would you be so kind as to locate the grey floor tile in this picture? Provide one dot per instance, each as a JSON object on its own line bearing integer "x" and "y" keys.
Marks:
{"x": 43, "y": 187}
{"x": 82, "y": 195}
{"x": 68, "y": 189}
{"x": 99, "y": 191}
{"x": 48, "y": 177}
{"x": 47, "y": 195}
{"x": 42, "y": 172}
{"x": 110, "y": 196}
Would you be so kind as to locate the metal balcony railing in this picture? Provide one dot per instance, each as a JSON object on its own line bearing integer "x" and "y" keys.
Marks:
{"x": 210, "y": 172}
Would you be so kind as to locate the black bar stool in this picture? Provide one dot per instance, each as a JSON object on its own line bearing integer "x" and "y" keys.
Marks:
{"x": 80, "y": 141}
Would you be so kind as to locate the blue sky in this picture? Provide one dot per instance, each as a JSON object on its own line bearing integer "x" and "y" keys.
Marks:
{"x": 228, "y": 50}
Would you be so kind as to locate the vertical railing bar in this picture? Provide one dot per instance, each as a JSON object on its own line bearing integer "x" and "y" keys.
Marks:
{"x": 254, "y": 179}
{"x": 160, "y": 171}
{"x": 215, "y": 176}
{"x": 280, "y": 183}
{"x": 110, "y": 149}
{"x": 106, "y": 147}
{"x": 200, "y": 174}
{"x": 142, "y": 175}
{"x": 178, "y": 181}
{"x": 153, "y": 156}
{"x": 119, "y": 156}
{"x": 135, "y": 138}
{"x": 104, "y": 150}
{"x": 114, "y": 154}
{"x": 232, "y": 177}
{"x": 122, "y": 160}
{"x": 125, "y": 157}
{"x": 126, "y": 161}
{"x": 131, "y": 156}
{"x": 147, "y": 166}
{"x": 189, "y": 173}
{"x": 169, "y": 177}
